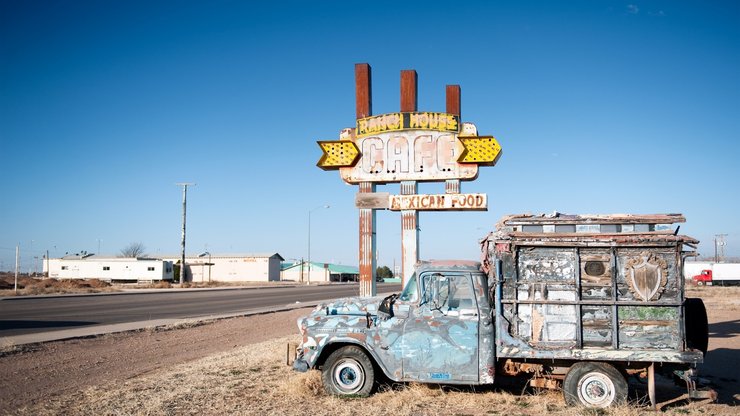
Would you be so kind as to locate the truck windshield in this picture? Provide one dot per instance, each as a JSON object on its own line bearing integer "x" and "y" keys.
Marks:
{"x": 411, "y": 292}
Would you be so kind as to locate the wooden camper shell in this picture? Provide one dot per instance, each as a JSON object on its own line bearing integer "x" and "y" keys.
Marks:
{"x": 590, "y": 287}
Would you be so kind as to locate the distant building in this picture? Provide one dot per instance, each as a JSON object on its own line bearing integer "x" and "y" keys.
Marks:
{"x": 207, "y": 267}
{"x": 90, "y": 266}
{"x": 320, "y": 272}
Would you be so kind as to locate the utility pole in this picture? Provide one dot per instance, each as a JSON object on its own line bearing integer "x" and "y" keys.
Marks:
{"x": 184, "y": 215}
{"x": 719, "y": 241}
{"x": 17, "y": 264}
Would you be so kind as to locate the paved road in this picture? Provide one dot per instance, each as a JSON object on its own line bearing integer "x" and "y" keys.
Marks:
{"x": 20, "y": 315}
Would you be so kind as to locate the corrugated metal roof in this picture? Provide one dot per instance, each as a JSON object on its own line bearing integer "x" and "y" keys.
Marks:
{"x": 560, "y": 218}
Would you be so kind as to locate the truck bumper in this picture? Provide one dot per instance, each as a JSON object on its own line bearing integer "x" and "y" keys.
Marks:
{"x": 300, "y": 365}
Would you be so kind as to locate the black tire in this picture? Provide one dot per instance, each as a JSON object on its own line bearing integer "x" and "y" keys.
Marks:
{"x": 697, "y": 325}
{"x": 592, "y": 384}
{"x": 348, "y": 372}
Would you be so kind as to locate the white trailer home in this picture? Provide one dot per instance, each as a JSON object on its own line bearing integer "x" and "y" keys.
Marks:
{"x": 89, "y": 266}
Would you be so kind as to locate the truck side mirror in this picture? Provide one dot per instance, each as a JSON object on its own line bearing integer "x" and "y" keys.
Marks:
{"x": 385, "y": 310}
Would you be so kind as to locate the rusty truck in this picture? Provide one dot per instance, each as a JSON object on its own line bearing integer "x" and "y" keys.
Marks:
{"x": 576, "y": 302}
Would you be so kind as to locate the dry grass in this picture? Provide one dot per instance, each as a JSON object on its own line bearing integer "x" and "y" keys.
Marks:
{"x": 43, "y": 286}
{"x": 725, "y": 297}
{"x": 253, "y": 381}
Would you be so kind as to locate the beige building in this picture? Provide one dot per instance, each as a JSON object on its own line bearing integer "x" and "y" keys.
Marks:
{"x": 206, "y": 267}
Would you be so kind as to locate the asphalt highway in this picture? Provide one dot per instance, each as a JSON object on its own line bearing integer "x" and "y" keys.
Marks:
{"x": 28, "y": 315}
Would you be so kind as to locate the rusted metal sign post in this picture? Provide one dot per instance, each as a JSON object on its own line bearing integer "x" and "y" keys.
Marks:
{"x": 405, "y": 148}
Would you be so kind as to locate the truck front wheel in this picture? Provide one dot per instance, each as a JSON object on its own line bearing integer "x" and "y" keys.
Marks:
{"x": 593, "y": 384}
{"x": 348, "y": 372}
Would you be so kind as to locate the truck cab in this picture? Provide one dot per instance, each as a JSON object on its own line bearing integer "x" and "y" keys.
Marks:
{"x": 437, "y": 330}
{"x": 703, "y": 278}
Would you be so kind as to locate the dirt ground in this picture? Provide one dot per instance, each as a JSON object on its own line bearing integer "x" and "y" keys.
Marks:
{"x": 235, "y": 366}
{"x": 34, "y": 374}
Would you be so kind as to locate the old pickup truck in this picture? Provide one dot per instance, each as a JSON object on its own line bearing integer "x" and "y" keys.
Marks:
{"x": 572, "y": 302}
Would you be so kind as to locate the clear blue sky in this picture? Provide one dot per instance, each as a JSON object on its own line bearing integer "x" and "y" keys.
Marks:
{"x": 600, "y": 107}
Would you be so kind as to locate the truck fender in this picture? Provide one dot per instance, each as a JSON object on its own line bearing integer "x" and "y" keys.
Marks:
{"x": 343, "y": 342}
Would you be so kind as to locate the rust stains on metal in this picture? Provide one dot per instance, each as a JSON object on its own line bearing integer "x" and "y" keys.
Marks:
{"x": 367, "y": 246}
{"x": 408, "y": 91}
{"x": 363, "y": 91}
{"x": 452, "y": 99}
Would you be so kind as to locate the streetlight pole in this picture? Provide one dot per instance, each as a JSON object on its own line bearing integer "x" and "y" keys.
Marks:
{"x": 184, "y": 215}
{"x": 309, "y": 240}
{"x": 203, "y": 254}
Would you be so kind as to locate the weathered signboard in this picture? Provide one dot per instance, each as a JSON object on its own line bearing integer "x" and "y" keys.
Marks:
{"x": 421, "y": 202}
{"x": 414, "y": 155}
{"x": 369, "y": 126}
{"x": 445, "y": 202}
{"x": 406, "y": 147}
{"x": 397, "y": 147}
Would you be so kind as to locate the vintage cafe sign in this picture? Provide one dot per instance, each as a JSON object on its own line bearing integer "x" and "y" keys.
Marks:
{"x": 419, "y": 146}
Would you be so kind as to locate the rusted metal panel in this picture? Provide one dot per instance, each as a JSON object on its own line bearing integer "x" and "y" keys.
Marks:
{"x": 408, "y": 91}
{"x": 452, "y": 99}
{"x": 376, "y": 200}
{"x": 452, "y": 186}
{"x": 367, "y": 246}
{"x": 363, "y": 91}
{"x": 409, "y": 235}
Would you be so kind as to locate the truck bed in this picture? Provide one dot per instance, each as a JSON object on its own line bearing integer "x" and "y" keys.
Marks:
{"x": 611, "y": 296}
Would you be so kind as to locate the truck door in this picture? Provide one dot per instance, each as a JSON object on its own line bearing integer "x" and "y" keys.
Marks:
{"x": 440, "y": 336}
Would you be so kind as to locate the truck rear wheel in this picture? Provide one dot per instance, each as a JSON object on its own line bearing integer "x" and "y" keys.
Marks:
{"x": 348, "y": 372}
{"x": 594, "y": 384}
{"x": 697, "y": 325}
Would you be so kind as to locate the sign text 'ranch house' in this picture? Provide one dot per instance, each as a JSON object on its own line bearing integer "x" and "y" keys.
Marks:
{"x": 407, "y": 121}
{"x": 408, "y": 147}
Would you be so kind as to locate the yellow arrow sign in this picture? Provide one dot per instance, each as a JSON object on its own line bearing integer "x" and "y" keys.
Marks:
{"x": 338, "y": 154}
{"x": 483, "y": 150}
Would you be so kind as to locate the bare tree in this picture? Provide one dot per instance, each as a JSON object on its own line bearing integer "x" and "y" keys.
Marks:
{"x": 133, "y": 250}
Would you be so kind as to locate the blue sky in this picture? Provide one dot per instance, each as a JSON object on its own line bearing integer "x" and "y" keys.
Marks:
{"x": 600, "y": 107}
